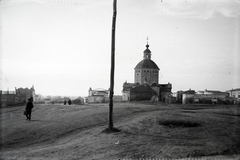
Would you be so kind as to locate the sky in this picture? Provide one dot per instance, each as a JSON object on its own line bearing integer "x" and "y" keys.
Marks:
{"x": 63, "y": 47}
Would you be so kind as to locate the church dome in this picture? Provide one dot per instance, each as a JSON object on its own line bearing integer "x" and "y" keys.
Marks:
{"x": 146, "y": 63}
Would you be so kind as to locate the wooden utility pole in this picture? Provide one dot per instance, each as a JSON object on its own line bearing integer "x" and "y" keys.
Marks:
{"x": 110, "y": 120}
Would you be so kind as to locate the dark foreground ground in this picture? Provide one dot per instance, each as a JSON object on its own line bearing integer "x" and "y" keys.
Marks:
{"x": 147, "y": 131}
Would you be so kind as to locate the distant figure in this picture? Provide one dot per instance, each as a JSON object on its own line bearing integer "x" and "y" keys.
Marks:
{"x": 28, "y": 109}
{"x": 69, "y": 102}
{"x": 65, "y": 102}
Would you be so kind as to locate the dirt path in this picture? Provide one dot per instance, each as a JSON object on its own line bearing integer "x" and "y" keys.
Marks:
{"x": 75, "y": 132}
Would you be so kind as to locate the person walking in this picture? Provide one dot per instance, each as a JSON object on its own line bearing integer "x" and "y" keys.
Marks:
{"x": 28, "y": 109}
{"x": 69, "y": 102}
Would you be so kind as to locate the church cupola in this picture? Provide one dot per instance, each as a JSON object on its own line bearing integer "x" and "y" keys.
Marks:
{"x": 147, "y": 53}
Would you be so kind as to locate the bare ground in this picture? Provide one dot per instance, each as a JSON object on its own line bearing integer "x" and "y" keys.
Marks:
{"x": 147, "y": 131}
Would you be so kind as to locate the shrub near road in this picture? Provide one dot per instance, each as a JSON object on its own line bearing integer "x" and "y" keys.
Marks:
{"x": 147, "y": 131}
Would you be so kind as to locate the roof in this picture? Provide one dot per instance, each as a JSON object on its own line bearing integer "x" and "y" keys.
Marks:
{"x": 99, "y": 92}
{"x": 214, "y": 91}
{"x": 146, "y": 63}
{"x": 237, "y": 89}
{"x": 128, "y": 86}
{"x": 169, "y": 85}
{"x": 189, "y": 92}
{"x": 144, "y": 88}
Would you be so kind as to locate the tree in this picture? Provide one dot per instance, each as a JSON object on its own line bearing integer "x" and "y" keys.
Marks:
{"x": 110, "y": 115}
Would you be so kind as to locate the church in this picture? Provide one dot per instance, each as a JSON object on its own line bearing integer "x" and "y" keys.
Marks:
{"x": 146, "y": 82}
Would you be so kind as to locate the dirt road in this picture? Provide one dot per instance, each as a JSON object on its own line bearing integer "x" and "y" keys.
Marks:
{"x": 147, "y": 131}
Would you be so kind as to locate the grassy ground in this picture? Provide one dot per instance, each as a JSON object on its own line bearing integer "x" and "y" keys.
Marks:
{"x": 147, "y": 131}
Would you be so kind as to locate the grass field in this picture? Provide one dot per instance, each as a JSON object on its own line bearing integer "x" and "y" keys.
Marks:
{"x": 147, "y": 131}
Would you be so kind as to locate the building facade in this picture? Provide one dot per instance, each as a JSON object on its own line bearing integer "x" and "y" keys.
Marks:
{"x": 24, "y": 93}
{"x": 19, "y": 96}
{"x": 234, "y": 93}
{"x": 97, "y": 96}
{"x": 206, "y": 96}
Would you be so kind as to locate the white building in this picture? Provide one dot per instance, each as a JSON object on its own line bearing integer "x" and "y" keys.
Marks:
{"x": 235, "y": 93}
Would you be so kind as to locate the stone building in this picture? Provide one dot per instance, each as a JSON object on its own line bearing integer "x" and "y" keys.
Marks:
{"x": 8, "y": 98}
{"x": 188, "y": 96}
{"x": 19, "y": 96}
{"x": 214, "y": 93}
{"x": 24, "y": 93}
{"x": 97, "y": 96}
{"x": 146, "y": 82}
{"x": 235, "y": 93}
{"x": 206, "y": 96}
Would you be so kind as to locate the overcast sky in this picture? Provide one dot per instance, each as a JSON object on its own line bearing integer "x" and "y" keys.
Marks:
{"x": 63, "y": 47}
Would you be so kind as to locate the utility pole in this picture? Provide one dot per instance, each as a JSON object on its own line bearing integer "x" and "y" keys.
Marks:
{"x": 110, "y": 118}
